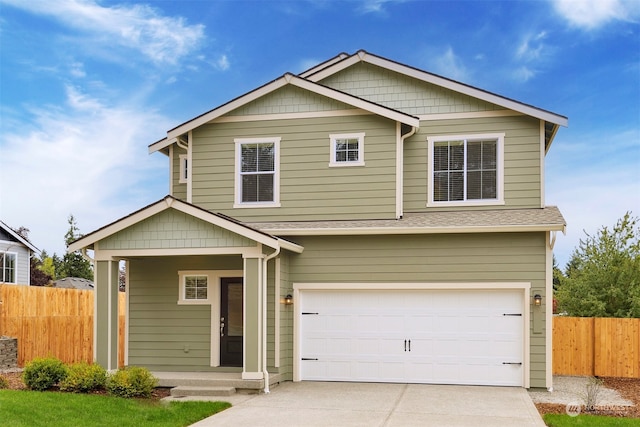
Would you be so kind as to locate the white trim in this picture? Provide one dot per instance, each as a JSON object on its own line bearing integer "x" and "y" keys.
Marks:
{"x": 325, "y": 64}
{"x": 399, "y": 171}
{"x": 106, "y": 255}
{"x": 18, "y": 237}
{"x": 542, "y": 174}
{"x": 239, "y": 142}
{"x": 469, "y": 115}
{"x": 292, "y": 116}
{"x": 190, "y": 167}
{"x": 171, "y": 170}
{"x": 110, "y": 315}
{"x": 525, "y": 287}
{"x": 499, "y": 200}
{"x": 182, "y": 276}
{"x": 332, "y": 149}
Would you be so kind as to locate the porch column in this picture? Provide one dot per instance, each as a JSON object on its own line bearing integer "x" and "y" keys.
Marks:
{"x": 105, "y": 317}
{"x": 252, "y": 359}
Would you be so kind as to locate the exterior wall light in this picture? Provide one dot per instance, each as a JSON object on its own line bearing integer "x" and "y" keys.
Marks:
{"x": 288, "y": 300}
{"x": 537, "y": 300}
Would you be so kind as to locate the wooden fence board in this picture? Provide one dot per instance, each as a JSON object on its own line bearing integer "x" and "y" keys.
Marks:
{"x": 53, "y": 322}
{"x": 572, "y": 341}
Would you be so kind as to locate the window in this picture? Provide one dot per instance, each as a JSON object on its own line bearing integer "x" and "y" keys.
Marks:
{"x": 8, "y": 267}
{"x": 194, "y": 287}
{"x": 347, "y": 149}
{"x": 465, "y": 170}
{"x": 257, "y": 172}
{"x": 184, "y": 169}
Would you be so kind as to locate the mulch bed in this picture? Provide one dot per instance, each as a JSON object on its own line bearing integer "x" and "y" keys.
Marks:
{"x": 15, "y": 383}
{"x": 629, "y": 388}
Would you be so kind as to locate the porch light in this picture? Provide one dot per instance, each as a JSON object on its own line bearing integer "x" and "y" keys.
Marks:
{"x": 288, "y": 300}
{"x": 537, "y": 300}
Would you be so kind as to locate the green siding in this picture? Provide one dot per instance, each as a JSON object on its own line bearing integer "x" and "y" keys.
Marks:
{"x": 309, "y": 188}
{"x": 162, "y": 334}
{"x": 401, "y": 92}
{"x": 522, "y": 183}
{"x": 179, "y": 191}
{"x": 289, "y": 99}
{"x": 504, "y": 257}
{"x": 173, "y": 229}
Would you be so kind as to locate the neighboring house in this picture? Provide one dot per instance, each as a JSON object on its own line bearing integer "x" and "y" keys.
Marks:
{"x": 361, "y": 221}
{"x": 15, "y": 257}
{"x": 74, "y": 283}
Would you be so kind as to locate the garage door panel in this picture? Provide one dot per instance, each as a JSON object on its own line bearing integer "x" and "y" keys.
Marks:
{"x": 431, "y": 336}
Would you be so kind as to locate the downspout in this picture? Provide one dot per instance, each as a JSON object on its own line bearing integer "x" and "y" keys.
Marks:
{"x": 265, "y": 372}
{"x": 400, "y": 168}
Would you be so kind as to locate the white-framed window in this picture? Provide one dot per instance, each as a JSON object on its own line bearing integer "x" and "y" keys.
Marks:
{"x": 184, "y": 168}
{"x": 8, "y": 267}
{"x": 257, "y": 172}
{"x": 347, "y": 149}
{"x": 466, "y": 170}
{"x": 195, "y": 287}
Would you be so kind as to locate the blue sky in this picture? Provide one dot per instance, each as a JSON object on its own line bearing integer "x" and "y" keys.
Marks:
{"x": 86, "y": 85}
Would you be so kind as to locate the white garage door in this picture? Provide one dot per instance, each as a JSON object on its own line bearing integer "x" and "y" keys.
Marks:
{"x": 414, "y": 336}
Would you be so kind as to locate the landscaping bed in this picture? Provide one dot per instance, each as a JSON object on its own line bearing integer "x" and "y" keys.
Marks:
{"x": 629, "y": 388}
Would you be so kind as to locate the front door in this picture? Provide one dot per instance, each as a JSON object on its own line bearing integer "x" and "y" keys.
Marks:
{"x": 231, "y": 321}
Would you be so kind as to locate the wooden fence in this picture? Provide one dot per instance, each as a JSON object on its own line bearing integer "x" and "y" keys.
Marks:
{"x": 606, "y": 347}
{"x": 53, "y": 322}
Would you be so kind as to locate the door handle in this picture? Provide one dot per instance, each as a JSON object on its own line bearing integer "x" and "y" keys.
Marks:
{"x": 409, "y": 345}
{"x": 222, "y": 326}
{"x": 405, "y": 345}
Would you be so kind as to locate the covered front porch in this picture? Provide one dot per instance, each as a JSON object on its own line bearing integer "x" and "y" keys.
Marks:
{"x": 203, "y": 297}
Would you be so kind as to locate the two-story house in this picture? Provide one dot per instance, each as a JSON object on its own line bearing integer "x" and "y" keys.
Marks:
{"x": 361, "y": 221}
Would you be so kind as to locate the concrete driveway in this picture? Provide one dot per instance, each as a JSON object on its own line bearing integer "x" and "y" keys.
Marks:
{"x": 373, "y": 404}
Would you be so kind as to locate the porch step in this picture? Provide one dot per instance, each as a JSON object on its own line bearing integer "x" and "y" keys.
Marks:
{"x": 182, "y": 391}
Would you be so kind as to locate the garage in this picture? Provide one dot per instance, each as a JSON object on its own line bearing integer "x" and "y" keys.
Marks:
{"x": 439, "y": 336}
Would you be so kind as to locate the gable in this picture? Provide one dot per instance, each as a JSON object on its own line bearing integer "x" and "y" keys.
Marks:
{"x": 173, "y": 229}
{"x": 402, "y": 92}
{"x": 289, "y": 99}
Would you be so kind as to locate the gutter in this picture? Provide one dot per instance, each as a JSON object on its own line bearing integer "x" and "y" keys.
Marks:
{"x": 265, "y": 372}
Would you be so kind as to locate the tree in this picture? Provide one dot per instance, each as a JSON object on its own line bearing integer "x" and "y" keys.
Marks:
{"x": 73, "y": 264}
{"x": 38, "y": 275}
{"x": 603, "y": 274}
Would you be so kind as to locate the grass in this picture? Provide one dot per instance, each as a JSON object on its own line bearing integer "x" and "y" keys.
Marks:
{"x": 35, "y": 409}
{"x": 556, "y": 420}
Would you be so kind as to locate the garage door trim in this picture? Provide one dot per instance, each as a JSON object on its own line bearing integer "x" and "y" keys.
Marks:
{"x": 524, "y": 287}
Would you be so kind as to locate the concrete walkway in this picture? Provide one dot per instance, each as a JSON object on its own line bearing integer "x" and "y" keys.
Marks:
{"x": 373, "y": 404}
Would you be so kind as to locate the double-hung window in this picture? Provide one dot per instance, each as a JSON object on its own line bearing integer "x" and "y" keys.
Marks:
{"x": 466, "y": 170}
{"x": 7, "y": 267}
{"x": 257, "y": 172}
{"x": 347, "y": 149}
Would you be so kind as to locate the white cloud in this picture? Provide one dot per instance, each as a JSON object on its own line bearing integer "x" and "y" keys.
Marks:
{"x": 86, "y": 158}
{"x": 523, "y": 74}
{"x": 376, "y": 6}
{"x": 450, "y": 65}
{"x": 162, "y": 39}
{"x": 590, "y": 14}
{"x": 77, "y": 70}
{"x": 531, "y": 47}
{"x": 222, "y": 63}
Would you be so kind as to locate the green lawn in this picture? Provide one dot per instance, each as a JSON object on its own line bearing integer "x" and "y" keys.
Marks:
{"x": 34, "y": 409}
{"x": 555, "y": 420}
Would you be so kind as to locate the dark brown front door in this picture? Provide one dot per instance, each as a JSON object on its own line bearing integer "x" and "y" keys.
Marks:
{"x": 231, "y": 321}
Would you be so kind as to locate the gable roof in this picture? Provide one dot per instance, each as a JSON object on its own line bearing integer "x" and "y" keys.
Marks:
{"x": 287, "y": 79}
{"x": 332, "y": 67}
{"x": 18, "y": 237}
{"x": 170, "y": 202}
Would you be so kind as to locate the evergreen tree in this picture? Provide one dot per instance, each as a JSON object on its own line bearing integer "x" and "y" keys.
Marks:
{"x": 73, "y": 264}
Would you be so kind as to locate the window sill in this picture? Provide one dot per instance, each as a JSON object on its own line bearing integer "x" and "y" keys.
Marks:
{"x": 255, "y": 205}
{"x": 194, "y": 302}
{"x": 345, "y": 164}
{"x": 466, "y": 203}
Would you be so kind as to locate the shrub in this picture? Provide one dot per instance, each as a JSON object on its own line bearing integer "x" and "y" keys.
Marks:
{"x": 132, "y": 381}
{"x": 4, "y": 383}
{"x": 84, "y": 377}
{"x": 43, "y": 373}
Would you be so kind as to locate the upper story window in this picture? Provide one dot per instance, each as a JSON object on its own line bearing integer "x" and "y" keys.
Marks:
{"x": 257, "y": 172}
{"x": 184, "y": 169}
{"x": 7, "y": 267}
{"x": 347, "y": 149}
{"x": 466, "y": 170}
